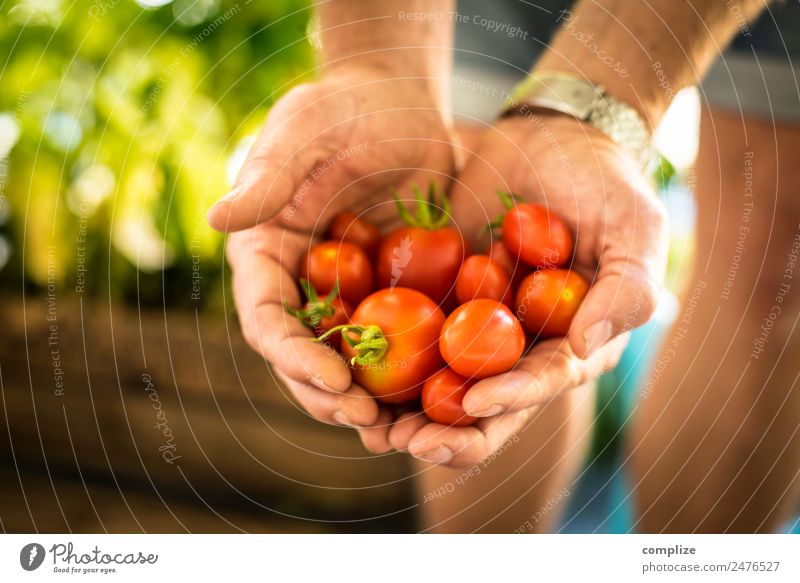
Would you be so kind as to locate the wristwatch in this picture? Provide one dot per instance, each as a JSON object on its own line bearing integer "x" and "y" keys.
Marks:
{"x": 586, "y": 102}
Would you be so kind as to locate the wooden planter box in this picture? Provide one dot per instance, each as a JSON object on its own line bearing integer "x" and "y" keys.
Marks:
{"x": 124, "y": 420}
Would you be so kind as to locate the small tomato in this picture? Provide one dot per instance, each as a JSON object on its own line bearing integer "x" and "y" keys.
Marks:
{"x": 347, "y": 226}
{"x": 515, "y": 268}
{"x": 480, "y": 277}
{"x": 391, "y": 343}
{"x": 481, "y": 338}
{"x": 442, "y": 395}
{"x": 537, "y": 236}
{"x": 547, "y": 300}
{"x": 427, "y": 254}
{"x": 330, "y": 262}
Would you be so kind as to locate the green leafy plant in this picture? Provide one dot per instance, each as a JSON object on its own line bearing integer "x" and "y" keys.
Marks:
{"x": 125, "y": 130}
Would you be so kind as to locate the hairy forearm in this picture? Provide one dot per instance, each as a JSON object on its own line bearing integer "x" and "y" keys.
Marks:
{"x": 645, "y": 52}
{"x": 407, "y": 38}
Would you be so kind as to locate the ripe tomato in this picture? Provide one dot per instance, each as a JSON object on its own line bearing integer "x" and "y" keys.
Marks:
{"x": 332, "y": 261}
{"x": 480, "y": 277}
{"x": 396, "y": 359}
{"x": 338, "y": 317}
{"x": 547, "y": 300}
{"x": 420, "y": 259}
{"x": 500, "y": 254}
{"x": 426, "y": 255}
{"x": 442, "y": 395}
{"x": 347, "y": 226}
{"x": 322, "y": 314}
{"x": 537, "y": 236}
{"x": 481, "y": 338}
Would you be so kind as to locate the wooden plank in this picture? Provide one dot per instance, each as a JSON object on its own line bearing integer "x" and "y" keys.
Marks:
{"x": 31, "y": 503}
{"x": 176, "y": 402}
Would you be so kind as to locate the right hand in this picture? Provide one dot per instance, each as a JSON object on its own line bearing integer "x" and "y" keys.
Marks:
{"x": 341, "y": 143}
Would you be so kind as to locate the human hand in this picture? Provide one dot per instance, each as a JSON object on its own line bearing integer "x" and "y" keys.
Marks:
{"x": 550, "y": 368}
{"x": 342, "y": 143}
{"x": 588, "y": 180}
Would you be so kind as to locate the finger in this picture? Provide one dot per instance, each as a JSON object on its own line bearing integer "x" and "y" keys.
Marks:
{"x": 459, "y": 447}
{"x": 474, "y": 195}
{"x": 548, "y": 370}
{"x": 376, "y": 436}
{"x": 469, "y": 136}
{"x": 352, "y": 408}
{"x": 297, "y": 135}
{"x": 626, "y": 290}
{"x": 404, "y": 428}
{"x": 260, "y": 284}
{"x": 283, "y": 245}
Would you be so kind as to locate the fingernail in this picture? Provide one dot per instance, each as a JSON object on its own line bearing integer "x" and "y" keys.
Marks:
{"x": 488, "y": 412}
{"x": 342, "y": 419}
{"x": 596, "y": 336}
{"x": 231, "y": 196}
{"x": 439, "y": 455}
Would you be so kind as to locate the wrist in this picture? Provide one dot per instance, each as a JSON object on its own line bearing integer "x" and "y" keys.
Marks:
{"x": 376, "y": 64}
{"x": 409, "y": 40}
{"x": 561, "y": 132}
{"x": 571, "y": 96}
{"x": 627, "y": 83}
{"x": 433, "y": 88}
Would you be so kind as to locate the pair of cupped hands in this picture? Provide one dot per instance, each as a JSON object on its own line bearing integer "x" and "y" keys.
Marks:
{"x": 346, "y": 142}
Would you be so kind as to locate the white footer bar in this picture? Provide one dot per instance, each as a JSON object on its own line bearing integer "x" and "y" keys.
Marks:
{"x": 387, "y": 558}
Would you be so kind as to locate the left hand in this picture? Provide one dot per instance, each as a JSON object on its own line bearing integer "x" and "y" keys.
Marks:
{"x": 342, "y": 142}
{"x": 621, "y": 245}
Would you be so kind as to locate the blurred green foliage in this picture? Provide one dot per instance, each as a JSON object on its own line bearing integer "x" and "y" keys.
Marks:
{"x": 120, "y": 124}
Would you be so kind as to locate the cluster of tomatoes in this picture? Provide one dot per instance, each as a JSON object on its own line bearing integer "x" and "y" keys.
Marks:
{"x": 416, "y": 314}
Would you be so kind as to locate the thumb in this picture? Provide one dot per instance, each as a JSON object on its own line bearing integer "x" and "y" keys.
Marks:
{"x": 627, "y": 288}
{"x": 296, "y": 136}
{"x": 616, "y": 303}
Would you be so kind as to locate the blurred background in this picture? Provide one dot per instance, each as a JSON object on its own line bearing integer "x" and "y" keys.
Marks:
{"x": 129, "y": 401}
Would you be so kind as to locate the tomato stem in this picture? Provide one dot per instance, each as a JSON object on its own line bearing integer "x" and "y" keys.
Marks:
{"x": 509, "y": 201}
{"x": 430, "y": 213}
{"x": 493, "y": 225}
{"x": 315, "y": 309}
{"x": 370, "y": 346}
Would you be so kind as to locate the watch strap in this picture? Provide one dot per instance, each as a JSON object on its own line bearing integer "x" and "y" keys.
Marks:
{"x": 586, "y": 102}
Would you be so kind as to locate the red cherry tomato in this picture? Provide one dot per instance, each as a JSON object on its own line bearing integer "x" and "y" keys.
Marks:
{"x": 421, "y": 259}
{"x": 500, "y": 254}
{"x": 322, "y": 314}
{"x": 347, "y": 226}
{"x": 537, "y": 236}
{"x": 341, "y": 311}
{"x": 318, "y": 313}
{"x": 410, "y": 322}
{"x": 332, "y": 261}
{"x": 442, "y": 395}
{"x": 340, "y": 316}
{"x": 480, "y": 277}
{"x": 481, "y": 338}
{"x": 547, "y": 301}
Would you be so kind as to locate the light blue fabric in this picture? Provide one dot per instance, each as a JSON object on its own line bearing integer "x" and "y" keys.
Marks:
{"x": 602, "y": 503}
